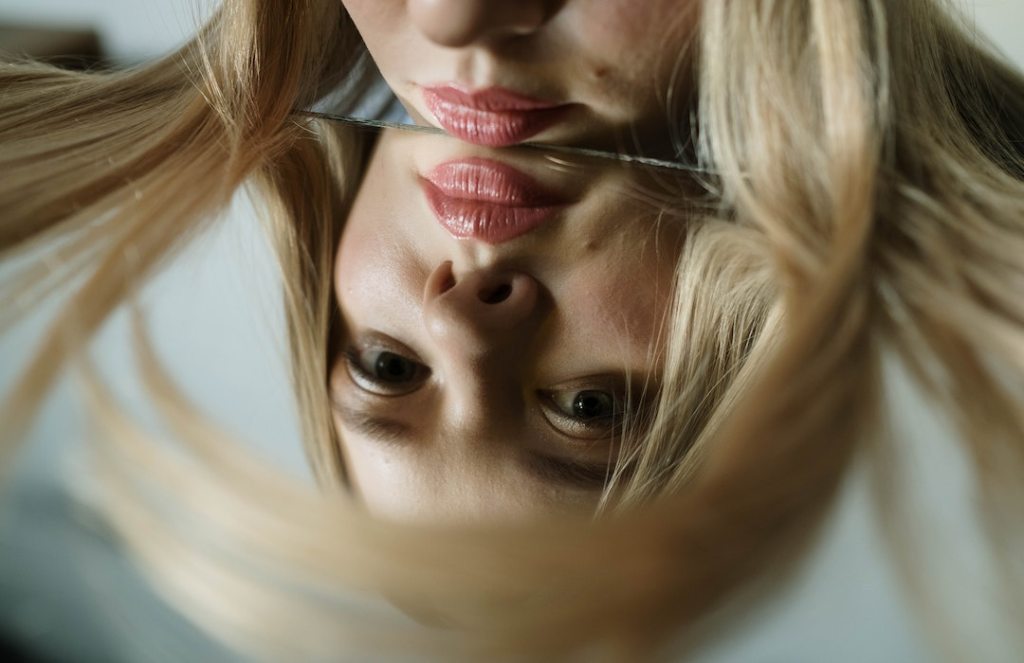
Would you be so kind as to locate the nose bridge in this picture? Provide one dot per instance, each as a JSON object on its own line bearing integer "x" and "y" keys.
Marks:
{"x": 458, "y": 23}
{"x": 481, "y": 311}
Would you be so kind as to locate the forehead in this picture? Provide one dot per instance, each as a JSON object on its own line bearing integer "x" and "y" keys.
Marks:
{"x": 441, "y": 478}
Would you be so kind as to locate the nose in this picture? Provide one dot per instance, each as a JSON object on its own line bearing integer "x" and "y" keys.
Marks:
{"x": 457, "y": 23}
{"x": 481, "y": 310}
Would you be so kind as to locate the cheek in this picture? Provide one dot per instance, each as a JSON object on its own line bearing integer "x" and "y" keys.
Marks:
{"x": 623, "y": 22}
{"x": 379, "y": 285}
{"x": 373, "y": 12}
{"x": 377, "y": 260}
{"x": 617, "y": 300}
{"x": 390, "y": 485}
{"x": 638, "y": 30}
{"x": 378, "y": 21}
{"x": 630, "y": 52}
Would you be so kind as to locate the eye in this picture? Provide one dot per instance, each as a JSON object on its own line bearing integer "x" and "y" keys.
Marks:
{"x": 392, "y": 368}
{"x": 584, "y": 413}
{"x": 385, "y": 372}
{"x": 587, "y": 405}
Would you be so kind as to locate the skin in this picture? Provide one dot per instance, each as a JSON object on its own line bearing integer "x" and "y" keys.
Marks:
{"x": 476, "y": 428}
{"x": 614, "y": 60}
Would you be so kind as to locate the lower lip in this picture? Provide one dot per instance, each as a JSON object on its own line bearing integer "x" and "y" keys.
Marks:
{"x": 487, "y": 200}
{"x": 488, "y": 126}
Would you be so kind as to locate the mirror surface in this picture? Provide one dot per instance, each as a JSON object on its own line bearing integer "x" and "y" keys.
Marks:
{"x": 497, "y": 340}
{"x": 501, "y": 321}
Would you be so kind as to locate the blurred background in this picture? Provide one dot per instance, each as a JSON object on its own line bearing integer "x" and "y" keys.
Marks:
{"x": 66, "y": 594}
{"x": 126, "y": 30}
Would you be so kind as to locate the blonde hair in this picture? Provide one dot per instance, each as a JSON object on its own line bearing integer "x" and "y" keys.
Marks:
{"x": 866, "y": 179}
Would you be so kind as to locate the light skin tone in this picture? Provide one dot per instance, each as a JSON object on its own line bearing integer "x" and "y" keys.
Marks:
{"x": 614, "y": 61}
{"x": 488, "y": 380}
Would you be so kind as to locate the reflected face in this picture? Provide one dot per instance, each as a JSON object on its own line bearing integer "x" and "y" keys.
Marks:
{"x": 585, "y": 72}
{"x": 498, "y": 309}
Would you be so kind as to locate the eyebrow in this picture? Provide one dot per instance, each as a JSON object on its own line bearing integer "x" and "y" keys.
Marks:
{"x": 377, "y": 427}
{"x": 588, "y": 476}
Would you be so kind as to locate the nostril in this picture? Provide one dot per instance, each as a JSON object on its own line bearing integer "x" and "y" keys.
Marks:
{"x": 495, "y": 295}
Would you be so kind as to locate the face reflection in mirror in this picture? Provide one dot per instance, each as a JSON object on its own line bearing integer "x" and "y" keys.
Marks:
{"x": 498, "y": 307}
{"x": 583, "y": 72}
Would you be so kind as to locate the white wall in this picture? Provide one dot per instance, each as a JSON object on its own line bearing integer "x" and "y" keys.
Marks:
{"x": 216, "y": 320}
{"x": 129, "y": 29}
{"x": 1003, "y": 22}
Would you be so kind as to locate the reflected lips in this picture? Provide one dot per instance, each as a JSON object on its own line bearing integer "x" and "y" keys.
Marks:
{"x": 494, "y": 116}
{"x": 482, "y": 199}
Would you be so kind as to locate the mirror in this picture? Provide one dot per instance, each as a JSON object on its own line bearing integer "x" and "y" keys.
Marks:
{"x": 500, "y": 317}
{"x": 496, "y": 346}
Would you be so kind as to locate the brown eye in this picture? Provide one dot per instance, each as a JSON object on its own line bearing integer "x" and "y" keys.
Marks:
{"x": 383, "y": 372}
{"x": 392, "y": 368}
{"x": 584, "y": 413}
{"x": 589, "y": 405}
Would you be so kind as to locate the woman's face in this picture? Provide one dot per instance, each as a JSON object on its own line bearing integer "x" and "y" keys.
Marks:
{"x": 586, "y": 72}
{"x": 498, "y": 307}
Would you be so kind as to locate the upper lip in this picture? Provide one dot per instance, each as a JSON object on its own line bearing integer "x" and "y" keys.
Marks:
{"x": 492, "y": 99}
{"x": 493, "y": 116}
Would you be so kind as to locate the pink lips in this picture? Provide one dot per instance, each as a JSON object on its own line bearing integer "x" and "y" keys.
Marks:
{"x": 487, "y": 200}
{"x": 493, "y": 116}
